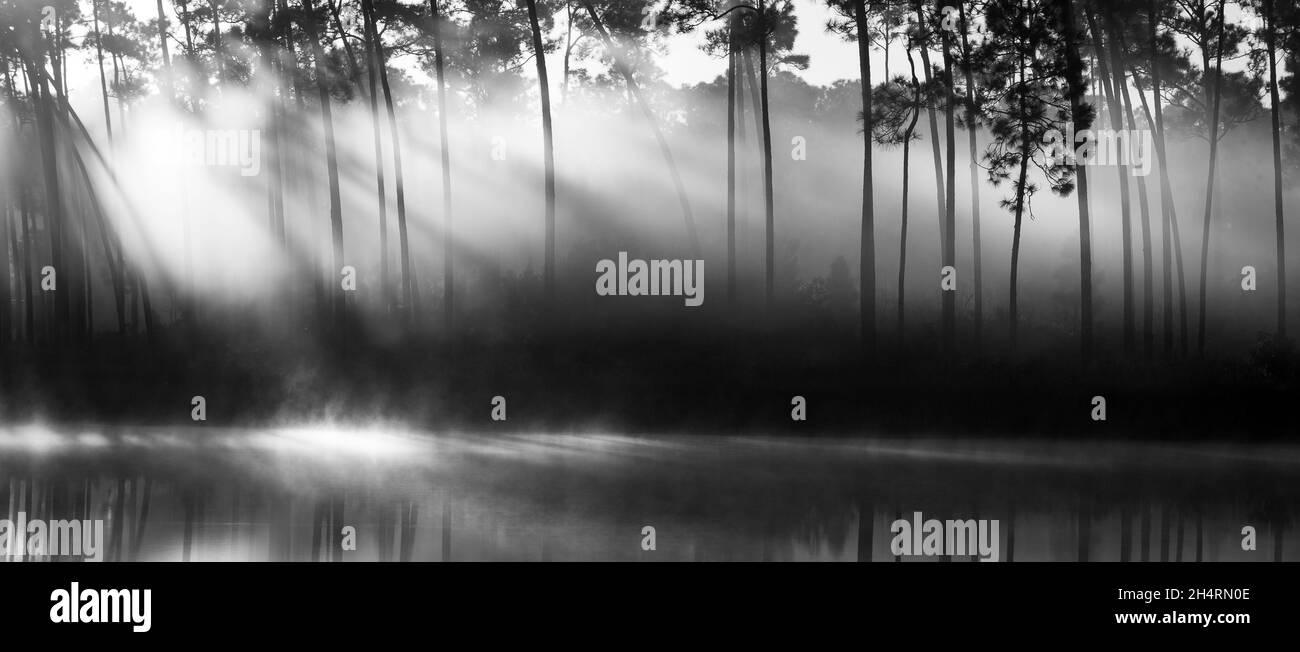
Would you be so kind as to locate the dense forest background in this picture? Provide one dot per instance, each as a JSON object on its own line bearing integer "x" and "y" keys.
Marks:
{"x": 466, "y": 187}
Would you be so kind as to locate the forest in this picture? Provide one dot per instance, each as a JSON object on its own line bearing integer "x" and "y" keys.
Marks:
{"x": 373, "y": 210}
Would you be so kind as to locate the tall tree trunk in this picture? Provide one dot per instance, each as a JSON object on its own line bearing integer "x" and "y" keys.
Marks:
{"x": 867, "y": 260}
{"x": 972, "y": 132}
{"x": 868, "y": 243}
{"x": 731, "y": 160}
{"x": 907, "y": 173}
{"x": 1168, "y": 208}
{"x": 1076, "y": 89}
{"x": 548, "y": 151}
{"x": 399, "y": 177}
{"x": 445, "y": 150}
{"x": 1144, "y": 211}
{"x": 1109, "y": 84}
{"x": 53, "y": 211}
{"x": 373, "y": 62}
{"x": 275, "y": 180}
{"x": 331, "y": 161}
{"x": 1209, "y": 185}
{"x": 1276, "y": 128}
{"x": 940, "y": 202}
{"x": 950, "y": 192}
{"x": 103, "y": 80}
{"x": 1020, "y": 211}
{"x": 75, "y": 294}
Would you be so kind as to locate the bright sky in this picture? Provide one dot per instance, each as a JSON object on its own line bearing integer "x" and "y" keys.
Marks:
{"x": 831, "y": 57}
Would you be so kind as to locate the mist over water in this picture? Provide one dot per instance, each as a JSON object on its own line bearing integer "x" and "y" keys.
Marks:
{"x": 256, "y": 495}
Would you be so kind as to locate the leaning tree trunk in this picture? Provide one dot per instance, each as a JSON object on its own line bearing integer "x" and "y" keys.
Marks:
{"x": 940, "y": 202}
{"x": 336, "y": 208}
{"x": 1109, "y": 85}
{"x": 548, "y": 151}
{"x": 664, "y": 149}
{"x": 1209, "y": 184}
{"x": 372, "y": 64}
{"x": 103, "y": 80}
{"x": 1148, "y": 304}
{"x": 1167, "y": 200}
{"x": 447, "y": 244}
{"x": 399, "y": 178}
{"x": 45, "y": 111}
{"x": 331, "y": 161}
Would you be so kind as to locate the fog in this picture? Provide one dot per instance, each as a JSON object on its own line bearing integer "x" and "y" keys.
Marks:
{"x": 204, "y": 227}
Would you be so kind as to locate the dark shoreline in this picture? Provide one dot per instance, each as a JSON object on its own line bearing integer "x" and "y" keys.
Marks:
{"x": 688, "y": 381}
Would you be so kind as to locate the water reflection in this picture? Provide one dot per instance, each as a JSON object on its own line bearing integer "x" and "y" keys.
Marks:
{"x": 288, "y": 494}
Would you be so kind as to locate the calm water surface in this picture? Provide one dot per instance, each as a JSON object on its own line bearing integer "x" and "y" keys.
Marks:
{"x": 208, "y": 494}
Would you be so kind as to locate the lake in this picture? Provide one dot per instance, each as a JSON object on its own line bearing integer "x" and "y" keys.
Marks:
{"x": 210, "y": 494}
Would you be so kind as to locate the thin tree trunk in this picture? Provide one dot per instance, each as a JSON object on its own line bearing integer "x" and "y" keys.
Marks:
{"x": 868, "y": 302}
{"x": 907, "y": 173}
{"x": 445, "y": 150}
{"x": 399, "y": 178}
{"x": 275, "y": 182}
{"x": 103, "y": 81}
{"x": 53, "y": 199}
{"x": 1144, "y": 211}
{"x": 1276, "y": 128}
{"x": 1167, "y": 197}
{"x": 1209, "y": 198}
{"x": 1109, "y": 83}
{"x": 1074, "y": 80}
{"x": 949, "y": 329}
{"x": 940, "y": 202}
{"x": 331, "y": 161}
{"x": 731, "y": 160}
{"x": 867, "y": 260}
{"x": 972, "y": 131}
{"x": 373, "y": 62}
{"x": 1020, "y": 211}
{"x": 548, "y": 151}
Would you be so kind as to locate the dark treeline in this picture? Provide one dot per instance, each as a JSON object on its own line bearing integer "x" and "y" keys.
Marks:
{"x": 383, "y": 94}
